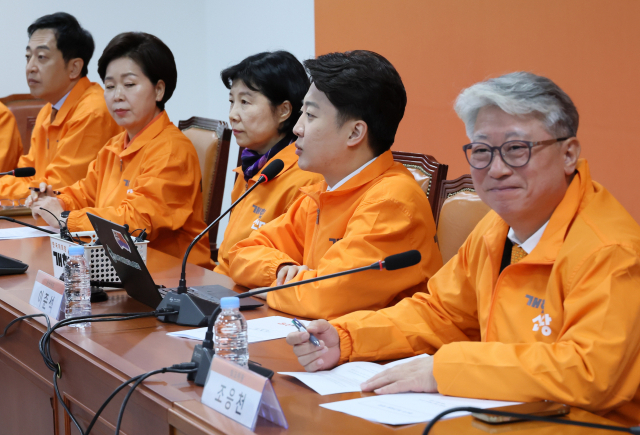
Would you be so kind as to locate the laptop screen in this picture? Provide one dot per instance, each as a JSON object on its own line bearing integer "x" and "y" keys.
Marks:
{"x": 126, "y": 260}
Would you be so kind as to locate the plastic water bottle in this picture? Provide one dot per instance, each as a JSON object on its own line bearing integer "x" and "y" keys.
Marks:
{"x": 231, "y": 340}
{"x": 77, "y": 286}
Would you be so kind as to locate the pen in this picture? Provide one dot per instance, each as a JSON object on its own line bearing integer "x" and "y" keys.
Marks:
{"x": 300, "y": 326}
{"x": 36, "y": 189}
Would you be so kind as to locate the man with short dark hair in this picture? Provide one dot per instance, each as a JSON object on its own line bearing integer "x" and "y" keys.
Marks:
{"x": 542, "y": 301}
{"x": 10, "y": 142}
{"x": 367, "y": 207}
{"x": 74, "y": 125}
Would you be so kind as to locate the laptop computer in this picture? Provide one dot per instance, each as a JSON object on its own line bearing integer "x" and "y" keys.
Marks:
{"x": 135, "y": 276}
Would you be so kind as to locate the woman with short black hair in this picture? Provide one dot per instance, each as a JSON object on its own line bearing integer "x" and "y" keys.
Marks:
{"x": 265, "y": 92}
{"x": 149, "y": 176}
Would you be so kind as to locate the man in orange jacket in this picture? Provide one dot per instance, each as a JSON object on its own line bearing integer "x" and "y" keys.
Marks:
{"x": 541, "y": 302}
{"x": 10, "y": 143}
{"x": 367, "y": 207}
{"x": 75, "y": 124}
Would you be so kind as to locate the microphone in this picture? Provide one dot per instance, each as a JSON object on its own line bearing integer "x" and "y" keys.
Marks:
{"x": 189, "y": 313}
{"x": 21, "y": 172}
{"x": 203, "y": 353}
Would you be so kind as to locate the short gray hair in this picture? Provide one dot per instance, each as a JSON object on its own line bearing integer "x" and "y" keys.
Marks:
{"x": 520, "y": 93}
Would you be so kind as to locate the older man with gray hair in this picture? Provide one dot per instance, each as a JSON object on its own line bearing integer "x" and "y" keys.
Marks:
{"x": 542, "y": 302}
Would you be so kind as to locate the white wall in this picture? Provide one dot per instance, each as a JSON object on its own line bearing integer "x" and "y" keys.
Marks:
{"x": 205, "y": 36}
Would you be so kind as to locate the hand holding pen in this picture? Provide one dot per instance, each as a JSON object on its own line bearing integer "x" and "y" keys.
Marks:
{"x": 301, "y": 328}
{"x": 314, "y": 357}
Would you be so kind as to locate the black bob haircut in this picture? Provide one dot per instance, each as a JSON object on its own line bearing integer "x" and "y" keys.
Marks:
{"x": 150, "y": 53}
{"x": 71, "y": 39}
{"x": 277, "y": 75}
{"x": 362, "y": 85}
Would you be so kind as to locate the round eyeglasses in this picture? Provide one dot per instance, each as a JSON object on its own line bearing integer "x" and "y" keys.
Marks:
{"x": 514, "y": 153}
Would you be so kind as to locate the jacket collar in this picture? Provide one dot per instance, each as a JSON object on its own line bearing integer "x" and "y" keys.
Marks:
{"x": 73, "y": 98}
{"x": 150, "y": 132}
{"x": 287, "y": 155}
{"x": 378, "y": 167}
{"x": 546, "y": 251}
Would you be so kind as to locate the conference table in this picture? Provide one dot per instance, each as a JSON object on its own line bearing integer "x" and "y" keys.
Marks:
{"x": 96, "y": 360}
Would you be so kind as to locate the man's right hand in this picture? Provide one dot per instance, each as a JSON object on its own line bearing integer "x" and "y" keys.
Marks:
{"x": 314, "y": 358}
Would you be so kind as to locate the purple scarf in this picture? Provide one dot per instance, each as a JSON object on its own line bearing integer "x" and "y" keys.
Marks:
{"x": 253, "y": 162}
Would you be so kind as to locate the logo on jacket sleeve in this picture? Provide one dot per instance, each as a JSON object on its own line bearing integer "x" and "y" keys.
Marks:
{"x": 257, "y": 224}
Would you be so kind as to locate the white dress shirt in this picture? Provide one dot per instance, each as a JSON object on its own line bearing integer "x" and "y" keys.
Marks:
{"x": 531, "y": 242}
{"x": 350, "y": 176}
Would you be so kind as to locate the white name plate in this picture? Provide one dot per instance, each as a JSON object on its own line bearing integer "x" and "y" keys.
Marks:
{"x": 48, "y": 295}
{"x": 241, "y": 394}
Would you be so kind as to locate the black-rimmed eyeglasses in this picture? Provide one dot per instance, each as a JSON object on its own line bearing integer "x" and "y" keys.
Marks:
{"x": 514, "y": 153}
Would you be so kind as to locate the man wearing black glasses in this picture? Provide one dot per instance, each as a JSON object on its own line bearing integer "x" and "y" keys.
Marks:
{"x": 542, "y": 301}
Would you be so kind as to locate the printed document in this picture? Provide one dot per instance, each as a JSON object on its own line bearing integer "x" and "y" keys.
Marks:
{"x": 407, "y": 408}
{"x": 264, "y": 329}
{"x": 345, "y": 378}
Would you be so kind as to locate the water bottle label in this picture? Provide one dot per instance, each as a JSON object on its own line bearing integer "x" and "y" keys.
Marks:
{"x": 241, "y": 394}
{"x": 48, "y": 295}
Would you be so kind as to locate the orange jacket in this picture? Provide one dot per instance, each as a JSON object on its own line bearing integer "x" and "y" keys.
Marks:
{"x": 61, "y": 152}
{"x": 155, "y": 184}
{"x": 562, "y": 324}
{"x": 10, "y": 143}
{"x": 264, "y": 204}
{"x": 379, "y": 212}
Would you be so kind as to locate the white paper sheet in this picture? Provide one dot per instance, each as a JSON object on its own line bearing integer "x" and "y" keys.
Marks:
{"x": 24, "y": 233}
{"x": 345, "y": 378}
{"x": 407, "y": 408}
{"x": 266, "y": 328}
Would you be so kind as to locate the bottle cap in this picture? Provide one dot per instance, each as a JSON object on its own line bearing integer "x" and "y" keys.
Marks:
{"x": 229, "y": 302}
{"x": 76, "y": 250}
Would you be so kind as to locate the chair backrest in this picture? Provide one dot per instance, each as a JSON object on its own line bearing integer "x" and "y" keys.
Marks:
{"x": 427, "y": 171}
{"x": 25, "y": 109}
{"x": 211, "y": 138}
{"x": 458, "y": 212}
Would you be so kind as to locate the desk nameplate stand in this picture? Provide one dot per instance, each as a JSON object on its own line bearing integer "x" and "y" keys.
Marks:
{"x": 241, "y": 394}
{"x": 48, "y": 295}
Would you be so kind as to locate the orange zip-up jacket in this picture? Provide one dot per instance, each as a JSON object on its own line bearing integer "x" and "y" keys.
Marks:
{"x": 61, "y": 152}
{"x": 155, "y": 183}
{"x": 265, "y": 203}
{"x": 563, "y": 324}
{"x": 379, "y": 212}
{"x": 10, "y": 142}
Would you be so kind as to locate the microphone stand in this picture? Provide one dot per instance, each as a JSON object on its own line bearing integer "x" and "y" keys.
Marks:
{"x": 26, "y": 225}
{"x": 203, "y": 353}
{"x": 189, "y": 314}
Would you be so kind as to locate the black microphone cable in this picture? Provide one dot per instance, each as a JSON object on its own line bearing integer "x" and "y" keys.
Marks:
{"x": 19, "y": 319}
{"x": 45, "y": 341}
{"x": 65, "y": 234}
{"x": 45, "y": 351}
{"x": 45, "y": 346}
{"x": 177, "y": 368}
{"x": 633, "y": 430}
